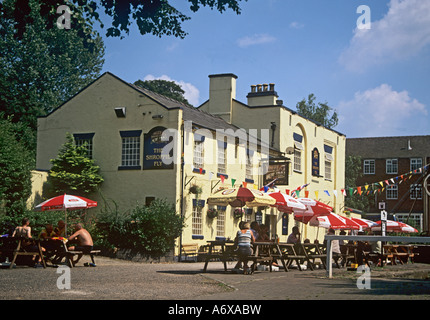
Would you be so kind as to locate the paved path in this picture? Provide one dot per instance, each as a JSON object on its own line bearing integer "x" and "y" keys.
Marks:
{"x": 124, "y": 280}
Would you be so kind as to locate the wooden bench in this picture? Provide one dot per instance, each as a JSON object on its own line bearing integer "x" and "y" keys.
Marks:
{"x": 190, "y": 250}
{"x": 290, "y": 255}
{"x": 262, "y": 260}
{"x": 12, "y": 247}
{"x": 71, "y": 254}
{"x": 312, "y": 252}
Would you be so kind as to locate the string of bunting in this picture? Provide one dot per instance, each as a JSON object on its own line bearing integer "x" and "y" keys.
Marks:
{"x": 361, "y": 190}
{"x": 381, "y": 185}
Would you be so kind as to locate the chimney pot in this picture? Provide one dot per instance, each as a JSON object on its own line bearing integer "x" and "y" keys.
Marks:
{"x": 272, "y": 87}
{"x": 253, "y": 88}
{"x": 265, "y": 87}
{"x": 259, "y": 87}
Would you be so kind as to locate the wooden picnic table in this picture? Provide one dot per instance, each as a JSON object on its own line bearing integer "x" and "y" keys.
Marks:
{"x": 12, "y": 247}
{"x": 267, "y": 253}
{"x": 402, "y": 253}
{"x": 219, "y": 249}
{"x": 292, "y": 252}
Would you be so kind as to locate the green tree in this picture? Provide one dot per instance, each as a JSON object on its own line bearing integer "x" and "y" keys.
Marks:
{"x": 318, "y": 112}
{"x": 42, "y": 66}
{"x": 353, "y": 171}
{"x": 73, "y": 171}
{"x": 15, "y": 170}
{"x": 156, "y": 17}
{"x": 166, "y": 88}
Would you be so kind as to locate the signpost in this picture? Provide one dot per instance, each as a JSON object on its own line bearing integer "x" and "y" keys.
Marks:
{"x": 383, "y": 222}
{"x": 383, "y": 218}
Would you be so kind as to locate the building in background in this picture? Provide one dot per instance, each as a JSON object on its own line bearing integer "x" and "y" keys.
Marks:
{"x": 394, "y": 169}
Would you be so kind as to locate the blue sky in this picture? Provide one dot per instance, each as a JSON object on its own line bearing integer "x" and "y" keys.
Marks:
{"x": 377, "y": 79}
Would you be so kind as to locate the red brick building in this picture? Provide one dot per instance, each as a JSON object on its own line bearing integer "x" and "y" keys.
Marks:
{"x": 394, "y": 170}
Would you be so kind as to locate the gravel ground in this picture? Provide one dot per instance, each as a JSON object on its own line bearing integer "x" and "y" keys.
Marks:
{"x": 114, "y": 279}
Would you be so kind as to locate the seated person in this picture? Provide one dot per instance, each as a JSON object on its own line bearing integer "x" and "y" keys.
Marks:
{"x": 48, "y": 232}
{"x": 83, "y": 239}
{"x": 60, "y": 229}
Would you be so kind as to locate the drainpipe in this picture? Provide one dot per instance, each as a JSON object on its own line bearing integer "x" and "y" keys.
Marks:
{"x": 273, "y": 127}
{"x": 182, "y": 189}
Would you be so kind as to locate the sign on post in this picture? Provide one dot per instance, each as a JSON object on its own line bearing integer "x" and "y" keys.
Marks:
{"x": 383, "y": 222}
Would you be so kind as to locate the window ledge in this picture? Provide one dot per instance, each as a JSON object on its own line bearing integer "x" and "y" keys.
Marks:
{"x": 130, "y": 168}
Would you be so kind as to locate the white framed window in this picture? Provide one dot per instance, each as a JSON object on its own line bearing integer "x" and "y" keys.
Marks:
{"x": 327, "y": 166}
{"x": 328, "y": 159}
{"x": 198, "y": 154}
{"x": 298, "y": 148}
{"x": 369, "y": 166}
{"x": 197, "y": 217}
{"x": 392, "y": 192}
{"x": 221, "y": 157}
{"x": 297, "y": 160}
{"x": 220, "y": 222}
{"x": 391, "y": 166}
{"x": 249, "y": 165}
{"x": 416, "y": 192}
{"x": 130, "y": 149}
{"x": 416, "y": 163}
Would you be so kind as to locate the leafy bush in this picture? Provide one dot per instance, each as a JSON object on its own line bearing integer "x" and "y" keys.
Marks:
{"x": 149, "y": 229}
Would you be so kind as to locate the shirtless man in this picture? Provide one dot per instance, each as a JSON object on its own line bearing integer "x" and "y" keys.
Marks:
{"x": 84, "y": 240}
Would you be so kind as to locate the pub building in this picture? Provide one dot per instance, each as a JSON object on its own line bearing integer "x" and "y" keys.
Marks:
{"x": 150, "y": 146}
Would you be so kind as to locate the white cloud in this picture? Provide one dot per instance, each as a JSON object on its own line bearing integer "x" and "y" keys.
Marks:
{"x": 296, "y": 25}
{"x": 400, "y": 34}
{"x": 256, "y": 39}
{"x": 192, "y": 94}
{"x": 382, "y": 111}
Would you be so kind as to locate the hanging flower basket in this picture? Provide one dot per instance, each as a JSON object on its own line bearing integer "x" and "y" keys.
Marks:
{"x": 212, "y": 213}
{"x": 196, "y": 189}
{"x": 238, "y": 213}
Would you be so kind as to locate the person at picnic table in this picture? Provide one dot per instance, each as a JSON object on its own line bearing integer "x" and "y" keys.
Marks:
{"x": 335, "y": 245}
{"x": 83, "y": 239}
{"x": 60, "y": 229}
{"x": 262, "y": 235}
{"x": 244, "y": 239}
{"x": 255, "y": 228}
{"x": 48, "y": 232}
{"x": 24, "y": 231}
{"x": 294, "y": 237}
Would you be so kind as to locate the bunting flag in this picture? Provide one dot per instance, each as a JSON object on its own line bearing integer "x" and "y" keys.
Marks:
{"x": 368, "y": 188}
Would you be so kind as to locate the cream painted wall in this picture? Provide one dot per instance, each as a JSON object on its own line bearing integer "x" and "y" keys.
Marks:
{"x": 92, "y": 111}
